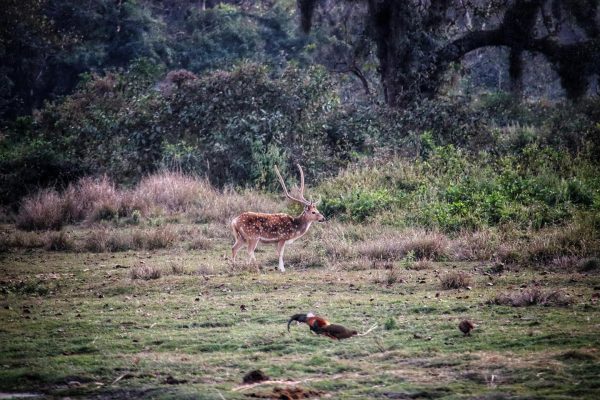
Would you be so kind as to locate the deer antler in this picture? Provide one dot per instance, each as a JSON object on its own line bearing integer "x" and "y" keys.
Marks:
{"x": 301, "y": 200}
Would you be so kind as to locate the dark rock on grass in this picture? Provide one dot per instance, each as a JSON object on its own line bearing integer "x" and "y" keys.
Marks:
{"x": 255, "y": 376}
{"x": 174, "y": 381}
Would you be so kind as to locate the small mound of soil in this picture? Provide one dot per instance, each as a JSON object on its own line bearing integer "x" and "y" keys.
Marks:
{"x": 255, "y": 376}
{"x": 288, "y": 393}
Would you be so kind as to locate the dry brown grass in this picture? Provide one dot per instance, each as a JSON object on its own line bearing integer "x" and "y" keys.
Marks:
{"x": 24, "y": 239}
{"x": 334, "y": 238}
{"x": 223, "y": 207}
{"x": 455, "y": 280}
{"x": 100, "y": 240}
{"x": 214, "y": 230}
{"x": 563, "y": 263}
{"x": 395, "y": 246}
{"x": 164, "y": 193}
{"x": 177, "y": 269}
{"x": 421, "y": 265}
{"x": 531, "y": 297}
{"x": 145, "y": 272}
{"x": 173, "y": 191}
{"x": 204, "y": 269}
{"x": 96, "y": 241}
{"x": 44, "y": 210}
{"x": 301, "y": 257}
{"x": 475, "y": 246}
{"x": 58, "y": 241}
{"x": 591, "y": 264}
{"x": 200, "y": 243}
{"x": 553, "y": 242}
{"x": 91, "y": 199}
{"x": 389, "y": 276}
{"x": 160, "y": 238}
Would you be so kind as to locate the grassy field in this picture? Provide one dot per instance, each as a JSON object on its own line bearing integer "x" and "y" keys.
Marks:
{"x": 82, "y": 324}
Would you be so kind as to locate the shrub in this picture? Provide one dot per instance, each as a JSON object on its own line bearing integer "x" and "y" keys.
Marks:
{"x": 58, "y": 241}
{"x": 390, "y": 324}
{"x": 391, "y": 246}
{"x": 180, "y": 76}
{"x": 358, "y": 205}
{"x": 27, "y": 240}
{"x": 421, "y": 265}
{"x": 119, "y": 241}
{"x": 145, "y": 272}
{"x": 44, "y": 210}
{"x": 383, "y": 248}
{"x": 200, "y": 243}
{"x": 173, "y": 191}
{"x": 531, "y": 297}
{"x": 177, "y": 269}
{"x": 390, "y": 277}
{"x": 563, "y": 263}
{"x": 426, "y": 245}
{"x": 474, "y": 246}
{"x": 92, "y": 199}
{"x": 223, "y": 207}
{"x": 455, "y": 280}
{"x": 160, "y": 238}
{"x": 97, "y": 241}
{"x": 591, "y": 264}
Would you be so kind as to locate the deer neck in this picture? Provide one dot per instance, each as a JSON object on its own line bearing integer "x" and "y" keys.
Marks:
{"x": 303, "y": 223}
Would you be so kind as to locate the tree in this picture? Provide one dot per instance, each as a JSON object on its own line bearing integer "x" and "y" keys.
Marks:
{"x": 418, "y": 40}
{"x": 27, "y": 39}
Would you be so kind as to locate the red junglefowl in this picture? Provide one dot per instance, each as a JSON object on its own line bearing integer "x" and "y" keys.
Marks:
{"x": 321, "y": 326}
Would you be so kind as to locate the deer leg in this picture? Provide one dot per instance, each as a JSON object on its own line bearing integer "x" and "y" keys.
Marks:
{"x": 238, "y": 244}
{"x": 280, "y": 248}
{"x": 251, "y": 247}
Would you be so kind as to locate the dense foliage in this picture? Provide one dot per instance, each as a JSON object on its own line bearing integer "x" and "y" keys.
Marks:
{"x": 449, "y": 190}
{"x": 228, "y": 91}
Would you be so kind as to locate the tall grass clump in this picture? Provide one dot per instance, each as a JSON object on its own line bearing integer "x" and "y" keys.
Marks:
{"x": 145, "y": 272}
{"x": 44, "y": 210}
{"x": 92, "y": 199}
{"x": 98, "y": 199}
{"x": 58, "y": 241}
{"x": 419, "y": 243}
{"x": 532, "y": 297}
{"x": 174, "y": 191}
{"x": 455, "y": 280}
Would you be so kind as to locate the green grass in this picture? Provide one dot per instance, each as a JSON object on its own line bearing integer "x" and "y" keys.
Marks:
{"x": 75, "y": 324}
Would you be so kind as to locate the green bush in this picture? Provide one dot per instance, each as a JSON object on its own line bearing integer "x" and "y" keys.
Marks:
{"x": 358, "y": 205}
{"x": 454, "y": 191}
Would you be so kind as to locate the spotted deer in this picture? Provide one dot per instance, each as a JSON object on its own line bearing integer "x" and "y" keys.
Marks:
{"x": 250, "y": 228}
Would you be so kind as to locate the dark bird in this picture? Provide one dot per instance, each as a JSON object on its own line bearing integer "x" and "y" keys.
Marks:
{"x": 466, "y": 327}
{"x": 313, "y": 321}
{"x": 321, "y": 326}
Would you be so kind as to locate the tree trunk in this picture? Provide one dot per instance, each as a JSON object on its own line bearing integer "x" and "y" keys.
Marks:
{"x": 390, "y": 26}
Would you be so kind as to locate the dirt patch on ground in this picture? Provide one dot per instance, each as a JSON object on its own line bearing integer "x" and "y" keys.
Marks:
{"x": 287, "y": 393}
